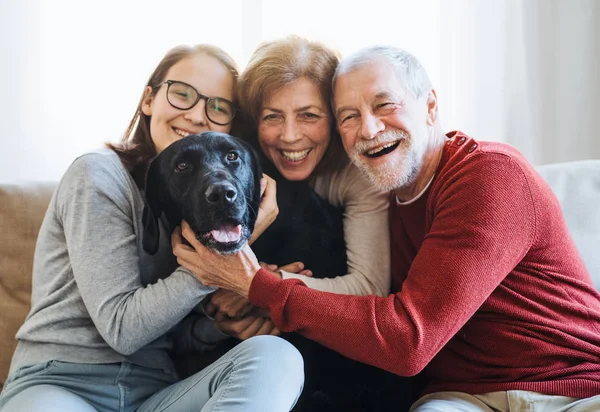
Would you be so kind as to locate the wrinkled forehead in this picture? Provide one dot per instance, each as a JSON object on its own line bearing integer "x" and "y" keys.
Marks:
{"x": 366, "y": 83}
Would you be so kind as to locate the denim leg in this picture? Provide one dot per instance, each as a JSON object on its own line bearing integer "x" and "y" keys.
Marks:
{"x": 114, "y": 387}
{"x": 264, "y": 373}
{"x": 47, "y": 398}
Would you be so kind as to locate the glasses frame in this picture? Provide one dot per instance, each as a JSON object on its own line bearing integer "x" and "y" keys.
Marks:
{"x": 200, "y": 97}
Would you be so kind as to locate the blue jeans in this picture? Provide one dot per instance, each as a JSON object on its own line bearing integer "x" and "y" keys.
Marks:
{"x": 264, "y": 373}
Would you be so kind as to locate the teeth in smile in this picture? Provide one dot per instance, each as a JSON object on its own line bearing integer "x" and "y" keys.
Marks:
{"x": 181, "y": 133}
{"x": 380, "y": 148}
{"x": 295, "y": 156}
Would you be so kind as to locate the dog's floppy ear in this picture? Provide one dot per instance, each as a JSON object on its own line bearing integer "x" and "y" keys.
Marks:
{"x": 255, "y": 165}
{"x": 153, "y": 208}
{"x": 257, "y": 168}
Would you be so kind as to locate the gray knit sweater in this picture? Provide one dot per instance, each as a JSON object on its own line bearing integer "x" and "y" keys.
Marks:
{"x": 97, "y": 296}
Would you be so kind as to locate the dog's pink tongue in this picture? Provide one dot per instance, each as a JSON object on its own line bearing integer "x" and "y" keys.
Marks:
{"x": 227, "y": 233}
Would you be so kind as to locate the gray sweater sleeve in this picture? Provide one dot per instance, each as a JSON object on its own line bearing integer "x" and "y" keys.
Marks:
{"x": 94, "y": 204}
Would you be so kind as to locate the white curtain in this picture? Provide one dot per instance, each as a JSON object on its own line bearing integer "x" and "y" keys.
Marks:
{"x": 526, "y": 72}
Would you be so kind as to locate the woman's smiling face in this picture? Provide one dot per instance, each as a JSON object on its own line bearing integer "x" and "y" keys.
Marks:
{"x": 294, "y": 129}
{"x": 208, "y": 76}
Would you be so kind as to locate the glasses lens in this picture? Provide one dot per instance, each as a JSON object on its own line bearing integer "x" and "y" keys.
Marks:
{"x": 181, "y": 95}
{"x": 219, "y": 110}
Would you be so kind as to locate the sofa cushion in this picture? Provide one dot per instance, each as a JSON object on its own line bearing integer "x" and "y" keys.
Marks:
{"x": 577, "y": 186}
{"x": 22, "y": 209}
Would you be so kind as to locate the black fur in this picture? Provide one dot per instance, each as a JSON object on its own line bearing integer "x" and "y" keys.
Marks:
{"x": 308, "y": 229}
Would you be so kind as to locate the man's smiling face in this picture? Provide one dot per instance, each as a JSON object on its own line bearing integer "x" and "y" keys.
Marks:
{"x": 384, "y": 127}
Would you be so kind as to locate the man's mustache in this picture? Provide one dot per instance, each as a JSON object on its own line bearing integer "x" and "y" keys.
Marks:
{"x": 384, "y": 138}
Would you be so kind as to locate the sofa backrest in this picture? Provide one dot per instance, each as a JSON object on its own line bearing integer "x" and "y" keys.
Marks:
{"x": 577, "y": 186}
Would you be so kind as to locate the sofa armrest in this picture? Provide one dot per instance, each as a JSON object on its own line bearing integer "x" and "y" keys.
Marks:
{"x": 22, "y": 209}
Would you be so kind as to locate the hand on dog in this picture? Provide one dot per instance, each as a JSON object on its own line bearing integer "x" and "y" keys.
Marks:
{"x": 295, "y": 267}
{"x": 229, "y": 303}
{"x": 235, "y": 306}
{"x": 232, "y": 272}
{"x": 246, "y": 327}
{"x": 268, "y": 209}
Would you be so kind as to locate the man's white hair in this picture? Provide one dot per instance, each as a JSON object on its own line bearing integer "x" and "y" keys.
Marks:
{"x": 410, "y": 72}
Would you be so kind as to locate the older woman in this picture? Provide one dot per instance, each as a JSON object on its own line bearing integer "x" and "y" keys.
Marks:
{"x": 284, "y": 97}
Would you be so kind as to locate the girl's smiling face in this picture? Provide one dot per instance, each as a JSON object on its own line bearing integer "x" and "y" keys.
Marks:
{"x": 209, "y": 77}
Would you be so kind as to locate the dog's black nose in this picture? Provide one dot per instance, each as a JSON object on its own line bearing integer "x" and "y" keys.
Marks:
{"x": 223, "y": 193}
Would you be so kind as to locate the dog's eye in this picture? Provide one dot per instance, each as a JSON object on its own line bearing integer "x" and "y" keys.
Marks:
{"x": 231, "y": 156}
{"x": 182, "y": 167}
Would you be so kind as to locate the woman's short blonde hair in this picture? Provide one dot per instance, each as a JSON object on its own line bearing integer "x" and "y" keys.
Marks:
{"x": 275, "y": 64}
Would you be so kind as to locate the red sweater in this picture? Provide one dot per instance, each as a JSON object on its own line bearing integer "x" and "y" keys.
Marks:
{"x": 490, "y": 291}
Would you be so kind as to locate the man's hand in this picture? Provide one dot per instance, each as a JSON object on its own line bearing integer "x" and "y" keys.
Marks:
{"x": 268, "y": 209}
{"x": 233, "y": 272}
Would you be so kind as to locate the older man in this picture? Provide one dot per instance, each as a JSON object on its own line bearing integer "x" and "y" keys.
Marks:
{"x": 491, "y": 296}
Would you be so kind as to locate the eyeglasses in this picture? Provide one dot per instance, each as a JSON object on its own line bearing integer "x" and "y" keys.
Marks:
{"x": 182, "y": 96}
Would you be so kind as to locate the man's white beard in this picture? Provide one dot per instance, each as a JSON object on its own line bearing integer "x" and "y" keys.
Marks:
{"x": 399, "y": 171}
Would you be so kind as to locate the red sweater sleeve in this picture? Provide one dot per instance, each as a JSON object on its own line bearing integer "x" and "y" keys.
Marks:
{"x": 482, "y": 224}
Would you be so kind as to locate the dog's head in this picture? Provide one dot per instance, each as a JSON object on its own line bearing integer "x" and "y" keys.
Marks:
{"x": 210, "y": 180}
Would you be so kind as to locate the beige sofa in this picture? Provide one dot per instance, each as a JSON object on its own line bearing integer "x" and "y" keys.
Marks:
{"x": 22, "y": 207}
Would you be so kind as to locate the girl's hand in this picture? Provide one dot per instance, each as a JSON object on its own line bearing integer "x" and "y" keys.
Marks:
{"x": 268, "y": 209}
{"x": 229, "y": 303}
{"x": 233, "y": 272}
{"x": 246, "y": 327}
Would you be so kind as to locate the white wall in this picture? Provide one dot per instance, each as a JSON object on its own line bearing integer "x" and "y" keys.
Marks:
{"x": 522, "y": 71}
{"x": 73, "y": 71}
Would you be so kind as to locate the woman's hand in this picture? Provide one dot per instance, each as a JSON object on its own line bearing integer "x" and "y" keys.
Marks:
{"x": 233, "y": 272}
{"x": 295, "y": 267}
{"x": 268, "y": 209}
{"x": 246, "y": 327}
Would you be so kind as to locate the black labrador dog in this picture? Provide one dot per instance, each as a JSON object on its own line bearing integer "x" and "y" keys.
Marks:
{"x": 212, "y": 180}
